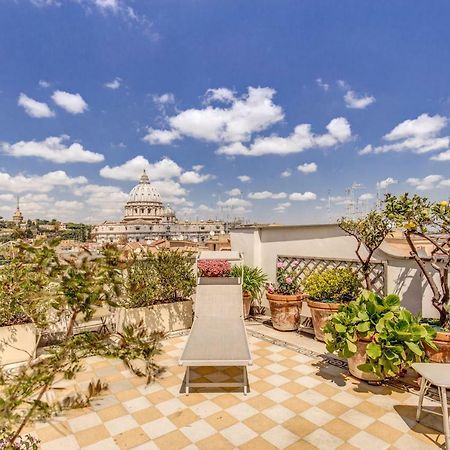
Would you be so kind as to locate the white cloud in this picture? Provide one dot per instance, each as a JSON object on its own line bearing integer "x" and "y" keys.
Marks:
{"x": 192, "y": 177}
{"x": 307, "y": 168}
{"x": 198, "y": 167}
{"x": 171, "y": 191}
{"x": 72, "y": 103}
{"x": 38, "y": 183}
{"x": 244, "y": 178}
{"x": 427, "y": 183}
{"x": 223, "y": 95}
{"x": 286, "y": 173}
{"x": 234, "y": 202}
{"x": 281, "y": 207}
{"x": 338, "y": 131}
{"x": 132, "y": 169}
{"x": 114, "y": 84}
{"x": 322, "y": 85}
{"x": 420, "y": 135}
{"x": 34, "y": 108}
{"x": 234, "y": 192}
{"x": 68, "y": 204}
{"x": 52, "y": 149}
{"x": 444, "y": 156}
{"x": 164, "y": 99}
{"x": 237, "y": 121}
{"x": 266, "y": 195}
{"x": 355, "y": 101}
{"x": 44, "y": 84}
{"x": 112, "y": 5}
{"x": 366, "y": 197}
{"x": 384, "y": 184}
{"x": 301, "y": 197}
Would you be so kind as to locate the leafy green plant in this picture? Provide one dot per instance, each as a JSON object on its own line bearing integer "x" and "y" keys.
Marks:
{"x": 369, "y": 232}
{"x": 253, "y": 279}
{"x": 78, "y": 287}
{"x": 333, "y": 285}
{"x": 418, "y": 217}
{"x": 288, "y": 280}
{"x": 163, "y": 277}
{"x": 396, "y": 337}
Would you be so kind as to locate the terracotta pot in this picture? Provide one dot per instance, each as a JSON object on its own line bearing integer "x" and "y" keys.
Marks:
{"x": 442, "y": 354}
{"x": 285, "y": 311}
{"x": 320, "y": 313}
{"x": 246, "y": 303}
{"x": 360, "y": 358}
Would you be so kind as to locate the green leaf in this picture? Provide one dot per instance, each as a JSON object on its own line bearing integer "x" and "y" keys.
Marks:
{"x": 366, "y": 367}
{"x": 363, "y": 327}
{"x": 340, "y": 328}
{"x": 414, "y": 348}
{"x": 351, "y": 346}
{"x": 373, "y": 350}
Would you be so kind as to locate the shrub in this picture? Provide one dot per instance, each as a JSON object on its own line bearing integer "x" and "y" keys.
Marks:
{"x": 254, "y": 279}
{"x": 397, "y": 338}
{"x": 288, "y": 281}
{"x": 214, "y": 268}
{"x": 163, "y": 277}
{"x": 333, "y": 285}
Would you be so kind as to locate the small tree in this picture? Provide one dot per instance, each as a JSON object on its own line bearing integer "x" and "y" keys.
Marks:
{"x": 419, "y": 217}
{"x": 369, "y": 232}
{"x": 77, "y": 287}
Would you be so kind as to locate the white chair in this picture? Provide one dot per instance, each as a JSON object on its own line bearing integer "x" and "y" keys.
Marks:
{"x": 438, "y": 375}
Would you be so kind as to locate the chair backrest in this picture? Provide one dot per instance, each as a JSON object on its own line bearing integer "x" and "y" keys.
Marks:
{"x": 219, "y": 300}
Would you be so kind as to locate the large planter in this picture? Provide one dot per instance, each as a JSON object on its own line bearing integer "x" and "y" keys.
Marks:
{"x": 442, "y": 354}
{"x": 246, "y": 303}
{"x": 165, "y": 317}
{"x": 320, "y": 313}
{"x": 285, "y": 311}
{"x": 17, "y": 343}
{"x": 360, "y": 357}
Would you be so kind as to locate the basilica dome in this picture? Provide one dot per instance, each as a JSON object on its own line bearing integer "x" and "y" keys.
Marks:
{"x": 144, "y": 192}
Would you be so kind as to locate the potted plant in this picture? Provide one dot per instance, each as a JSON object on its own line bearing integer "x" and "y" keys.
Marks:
{"x": 420, "y": 218}
{"x": 215, "y": 271}
{"x": 253, "y": 283}
{"x": 285, "y": 298}
{"x": 158, "y": 291}
{"x": 379, "y": 338}
{"x": 25, "y": 277}
{"x": 326, "y": 291}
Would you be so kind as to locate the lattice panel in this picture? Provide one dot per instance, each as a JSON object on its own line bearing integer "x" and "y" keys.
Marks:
{"x": 302, "y": 267}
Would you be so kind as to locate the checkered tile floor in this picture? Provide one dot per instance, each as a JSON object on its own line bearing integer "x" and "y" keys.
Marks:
{"x": 297, "y": 401}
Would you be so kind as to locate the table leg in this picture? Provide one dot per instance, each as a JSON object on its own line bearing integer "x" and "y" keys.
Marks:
{"x": 186, "y": 390}
{"x": 423, "y": 390}
{"x": 443, "y": 392}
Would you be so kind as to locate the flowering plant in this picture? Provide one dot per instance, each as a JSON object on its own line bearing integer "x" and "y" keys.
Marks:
{"x": 26, "y": 442}
{"x": 288, "y": 283}
{"x": 214, "y": 268}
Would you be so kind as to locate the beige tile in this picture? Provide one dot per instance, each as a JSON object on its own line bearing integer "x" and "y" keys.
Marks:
{"x": 131, "y": 438}
{"x": 129, "y": 394}
{"x": 260, "y": 402}
{"x": 92, "y": 435}
{"x": 260, "y": 423}
{"x": 173, "y": 441}
{"x": 299, "y": 426}
{"x": 226, "y": 400}
{"x": 146, "y": 415}
{"x": 258, "y": 443}
{"x": 183, "y": 418}
{"x": 53, "y": 431}
{"x": 215, "y": 442}
{"x": 341, "y": 429}
{"x": 383, "y": 431}
{"x": 112, "y": 412}
{"x": 159, "y": 396}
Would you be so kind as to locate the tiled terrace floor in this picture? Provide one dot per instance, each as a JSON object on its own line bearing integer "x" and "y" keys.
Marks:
{"x": 298, "y": 400}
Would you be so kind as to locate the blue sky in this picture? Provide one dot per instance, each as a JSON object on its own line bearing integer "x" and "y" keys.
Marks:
{"x": 256, "y": 109}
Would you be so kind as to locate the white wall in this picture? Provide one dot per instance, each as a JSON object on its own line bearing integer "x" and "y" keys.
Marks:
{"x": 262, "y": 245}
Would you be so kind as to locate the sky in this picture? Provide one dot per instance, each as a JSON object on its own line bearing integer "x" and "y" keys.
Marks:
{"x": 264, "y": 110}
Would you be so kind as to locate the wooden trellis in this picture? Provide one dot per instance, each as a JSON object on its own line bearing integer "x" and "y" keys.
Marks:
{"x": 301, "y": 267}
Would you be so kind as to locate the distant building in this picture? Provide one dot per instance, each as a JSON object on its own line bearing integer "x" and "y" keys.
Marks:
{"x": 17, "y": 216}
{"x": 147, "y": 219}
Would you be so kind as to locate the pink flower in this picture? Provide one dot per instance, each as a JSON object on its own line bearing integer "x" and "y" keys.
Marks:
{"x": 279, "y": 264}
{"x": 288, "y": 280}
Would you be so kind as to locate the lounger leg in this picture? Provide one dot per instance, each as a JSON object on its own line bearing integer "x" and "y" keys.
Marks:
{"x": 423, "y": 390}
{"x": 244, "y": 369}
{"x": 443, "y": 392}
{"x": 186, "y": 390}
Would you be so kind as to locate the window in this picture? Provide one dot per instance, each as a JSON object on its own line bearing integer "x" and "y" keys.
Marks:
{"x": 202, "y": 228}
{"x": 137, "y": 228}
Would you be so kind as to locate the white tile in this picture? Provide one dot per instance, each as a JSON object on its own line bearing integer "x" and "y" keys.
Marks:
{"x": 136, "y": 404}
{"x": 242, "y": 411}
{"x": 408, "y": 442}
{"x": 278, "y": 413}
{"x": 66, "y": 443}
{"x": 383, "y": 401}
{"x": 347, "y": 399}
{"x": 238, "y": 434}
{"x": 323, "y": 440}
{"x": 158, "y": 427}
{"x": 311, "y": 397}
{"x": 357, "y": 419}
{"x": 317, "y": 416}
{"x": 84, "y": 422}
{"x": 120, "y": 424}
{"x": 368, "y": 442}
{"x": 398, "y": 422}
{"x": 280, "y": 437}
{"x": 308, "y": 382}
{"x": 198, "y": 430}
{"x": 276, "y": 357}
{"x": 277, "y": 380}
{"x": 170, "y": 406}
{"x": 275, "y": 368}
{"x": 277, "y": 395}
{"x": 205, "y": 409}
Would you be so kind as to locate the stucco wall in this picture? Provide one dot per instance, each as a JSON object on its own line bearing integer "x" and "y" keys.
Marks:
{"x": 261, "y": 246}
